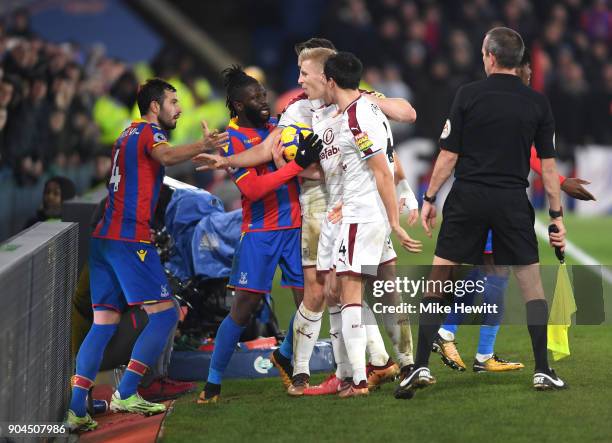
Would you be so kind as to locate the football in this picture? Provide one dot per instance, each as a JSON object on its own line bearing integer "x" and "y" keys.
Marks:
{"x": 290, "y": 139}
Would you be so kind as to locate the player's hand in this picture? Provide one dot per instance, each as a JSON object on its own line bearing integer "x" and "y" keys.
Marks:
{"x": 573, "y": 187}
{"x": 277, "y": 153}
{"x": 215, "y": 140}
{"x": 428, "y": 217}
{"x": 557, "y": 239}
{"x": 335, "y": 215}
{"x": 308, "y": 150}
{"x": 406, "y": 241}
{"x": 205, "y": 162}
{"x": 413, "y": 216}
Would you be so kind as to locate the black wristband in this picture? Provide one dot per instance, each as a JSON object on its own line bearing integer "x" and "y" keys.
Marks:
{"x": 429, "y": 199}
{"x": 555, "y": 214}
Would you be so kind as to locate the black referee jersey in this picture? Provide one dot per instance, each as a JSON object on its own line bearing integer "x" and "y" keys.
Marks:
{"x": 492, "y": 125}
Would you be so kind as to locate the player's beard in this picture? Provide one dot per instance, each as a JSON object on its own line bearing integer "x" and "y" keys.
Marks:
{"x": 166, "y": 122}
{"x": 255, "y": 116}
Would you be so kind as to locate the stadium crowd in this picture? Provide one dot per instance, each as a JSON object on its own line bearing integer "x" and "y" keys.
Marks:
{"x": 62, "y": 105}
{"x": 424, "y": 50}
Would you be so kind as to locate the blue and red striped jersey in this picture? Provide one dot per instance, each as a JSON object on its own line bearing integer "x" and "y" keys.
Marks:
{"x": 133, "y": 188}
{"x": 279, "y": 209}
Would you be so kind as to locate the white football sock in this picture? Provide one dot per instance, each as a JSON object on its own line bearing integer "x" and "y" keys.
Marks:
{"x": 306, "y": 327}
{"x": 343, "y": 366}
{"x": 398, "y": 328}
{"x": 375, "y": 344}
{"x": 354, "y": 334}
{"x": 446, "y": 335}
{"x": 483, "y": 357}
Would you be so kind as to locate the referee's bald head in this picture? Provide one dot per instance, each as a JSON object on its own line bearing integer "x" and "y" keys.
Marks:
{"x": 506, "y": 45}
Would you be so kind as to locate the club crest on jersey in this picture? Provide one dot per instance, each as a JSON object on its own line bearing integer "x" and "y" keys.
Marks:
{"x": 141, "y": 254}
{"x": 363, "y": 141}
{"x": 447, "y": 129}
{"x": 243, "y": 278}
{"x": 328, "y": 136}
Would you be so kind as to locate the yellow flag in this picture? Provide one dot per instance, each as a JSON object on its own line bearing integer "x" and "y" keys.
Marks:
{"x": 563, "y": 306}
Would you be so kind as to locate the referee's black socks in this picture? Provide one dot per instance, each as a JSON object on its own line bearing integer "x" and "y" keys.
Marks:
{"x": 430, "y": 320}
{"x": 537, "y": 320}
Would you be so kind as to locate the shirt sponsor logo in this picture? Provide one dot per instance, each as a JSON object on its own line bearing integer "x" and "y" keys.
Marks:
{"x": 363, "y": 141}
{"x": 329, "y": 152}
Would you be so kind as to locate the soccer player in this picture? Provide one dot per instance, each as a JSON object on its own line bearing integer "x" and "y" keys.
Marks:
{"x": 271, "y": 218}
{"x": 370, "y": 209}
{"x": 313, "y": 200}
{"x": 325, "y": 117}
{"x": 496, "y": 282}
{"x": 122, "y": 259}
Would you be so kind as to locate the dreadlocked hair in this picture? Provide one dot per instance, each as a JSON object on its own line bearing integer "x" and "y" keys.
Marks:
{"x": 235, "y": 80}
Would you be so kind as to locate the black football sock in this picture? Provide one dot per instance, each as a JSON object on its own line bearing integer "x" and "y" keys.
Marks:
{"x": 429, "y": 323}
{"x": 537, "y": 319}
{"x": 212, "y": 389}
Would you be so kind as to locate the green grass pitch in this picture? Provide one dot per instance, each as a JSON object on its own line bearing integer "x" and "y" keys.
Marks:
{"x": 461, "y": 407}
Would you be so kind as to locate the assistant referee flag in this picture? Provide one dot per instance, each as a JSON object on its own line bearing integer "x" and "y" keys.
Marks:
{"x": 563, "y": 306}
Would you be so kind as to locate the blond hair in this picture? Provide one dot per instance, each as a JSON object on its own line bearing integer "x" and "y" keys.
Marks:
{"x": 319, "y": 55}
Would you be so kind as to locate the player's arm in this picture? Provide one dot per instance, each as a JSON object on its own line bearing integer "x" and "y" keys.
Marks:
{"x": 169, "y": 155}
{"x": 407, "y": 199}
{"x": 571, "y": 186}
{"x": 396, "y": 109}
{"x": 386, "y": 189}
{"x": 312, "y": 172}
{"x": 254, "y": 187}
{"x": 258, "y": 154}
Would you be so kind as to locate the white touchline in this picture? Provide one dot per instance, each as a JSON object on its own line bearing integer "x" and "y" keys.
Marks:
{"x": 571, "y": 249}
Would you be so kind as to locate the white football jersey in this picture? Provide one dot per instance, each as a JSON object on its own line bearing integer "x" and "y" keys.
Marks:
{"x": 313, "y": 197}
{"x": 326, "y": 123}
{"x": 365, "y": 132}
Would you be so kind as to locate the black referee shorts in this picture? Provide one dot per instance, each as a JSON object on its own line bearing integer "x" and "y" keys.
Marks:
{"x": 471, "y": 210}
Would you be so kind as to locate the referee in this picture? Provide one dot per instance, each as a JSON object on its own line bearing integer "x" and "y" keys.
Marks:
{"x": 487, "y": 140}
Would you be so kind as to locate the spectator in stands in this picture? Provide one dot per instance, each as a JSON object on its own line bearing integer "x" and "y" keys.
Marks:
{"x": 568, "y": 99}
{"x": 20, "y": 26}
{"x": 56, "y": 191}
{"x": 600, "y": 110}
{"x": 434, "y": 102}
